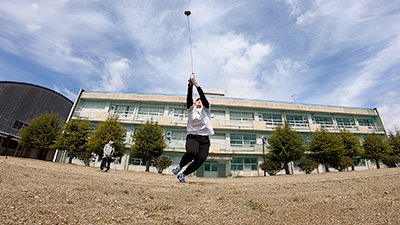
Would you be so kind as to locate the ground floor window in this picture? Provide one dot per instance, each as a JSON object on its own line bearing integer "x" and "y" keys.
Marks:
{"x": 244, "y": 164}
{"x": 360, "y": 162}
{"x": 138, "y": 162}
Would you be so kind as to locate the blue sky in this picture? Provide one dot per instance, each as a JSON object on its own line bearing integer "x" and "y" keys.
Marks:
{"x": 343, "y": 53}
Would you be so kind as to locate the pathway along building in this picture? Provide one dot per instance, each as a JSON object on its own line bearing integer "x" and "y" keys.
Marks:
{"x": 239, "y": 124}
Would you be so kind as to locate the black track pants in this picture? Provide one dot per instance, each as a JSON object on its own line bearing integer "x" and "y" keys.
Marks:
{"x": 197, "y": 148}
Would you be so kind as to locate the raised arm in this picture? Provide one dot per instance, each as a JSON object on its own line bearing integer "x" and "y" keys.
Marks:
{"x": 203, "y": 98}
{"x": 189, "y": 97}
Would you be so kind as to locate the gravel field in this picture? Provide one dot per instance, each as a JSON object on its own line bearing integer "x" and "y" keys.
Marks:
{"x": 39, "y": 192}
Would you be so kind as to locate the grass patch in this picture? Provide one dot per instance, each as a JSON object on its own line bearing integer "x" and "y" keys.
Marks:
{"x": 80, "y": 189}
{"x": 272, "y": 212}
{"x": 165, "y": 207}
{"x": 255, "y": 205}
{"x": 43, "y": 212}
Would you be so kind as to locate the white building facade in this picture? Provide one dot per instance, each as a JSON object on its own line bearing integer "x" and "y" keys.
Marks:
{"x": 240, "y": 124}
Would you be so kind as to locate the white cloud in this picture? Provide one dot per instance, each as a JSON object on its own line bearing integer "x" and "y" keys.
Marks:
{"x": 63, "y": 47}
{"x": 64, "y": 91}
{"x": 389, "y": 109}
{"x": 231, "y": 62}
{"x": 351, "y": 91}
{"x": 34, "y": 27}
{"x": 306, "y": 18}
{"x": 293, "y": 7}
{"x": 34, "y": 6}
{"x": 115, "y": 76}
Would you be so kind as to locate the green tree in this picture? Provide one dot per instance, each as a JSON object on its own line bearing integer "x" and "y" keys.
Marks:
{"x": 376, "y": 148}
{"x": 149, "y": 142}
{"x": 308, "y": 165}
{"x": 74, "y": 139}
{"x": 352, "y": 146}
{"x": 326, "y": 148}
{"x": 271, "y": 167}
{"x": 343, "y": 163}
{"x": 41, "y": 133}
{"x": 109, "y": 129}
{"x": 161, "y": 163}
{"x": 286, "y": 145}
{"x": 393, "y": 157}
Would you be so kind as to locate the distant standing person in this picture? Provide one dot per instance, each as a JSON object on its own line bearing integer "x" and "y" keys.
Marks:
{"x": 199, "y": 128}
{"x": 108, "y": 152}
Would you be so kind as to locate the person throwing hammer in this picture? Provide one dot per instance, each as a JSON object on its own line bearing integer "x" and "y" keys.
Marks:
{"x": 199, "y": 128}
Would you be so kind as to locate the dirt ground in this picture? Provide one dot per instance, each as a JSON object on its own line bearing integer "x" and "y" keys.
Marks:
{"x": 39, "y": 192}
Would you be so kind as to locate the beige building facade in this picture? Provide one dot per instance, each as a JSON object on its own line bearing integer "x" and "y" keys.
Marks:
{"x": 240, "y": 125}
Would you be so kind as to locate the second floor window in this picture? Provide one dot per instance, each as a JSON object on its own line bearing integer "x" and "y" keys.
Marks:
{"x": 241, "y": 116}
{"x": 175, "y": 136}
{"x": 297, "y": 121}
{"x": 271, "y": 119}
{"x": 324, "y": 121}
{"x": 148, "y": 110}
{"x": 366, "y": 123}
{"x": 243, "y": 140}
{"x": 122, "y": 110}
{"x": 346, "y": 123}
{"x": 178, "y": 114}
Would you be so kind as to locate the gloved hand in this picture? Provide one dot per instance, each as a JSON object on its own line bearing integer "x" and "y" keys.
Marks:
{"x": 193, "y": 81}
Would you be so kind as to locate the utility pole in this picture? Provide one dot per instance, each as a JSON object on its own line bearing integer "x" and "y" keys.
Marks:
{"x": 262, "y": 137}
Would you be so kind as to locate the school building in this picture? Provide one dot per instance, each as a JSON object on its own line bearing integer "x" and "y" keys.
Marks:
{"x": 240, "y": 125}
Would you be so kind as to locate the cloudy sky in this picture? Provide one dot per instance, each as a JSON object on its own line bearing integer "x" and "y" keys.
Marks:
{"x": 343, "y": 53}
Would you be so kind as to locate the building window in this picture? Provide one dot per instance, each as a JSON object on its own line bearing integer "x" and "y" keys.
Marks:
{"x": 326, "y": 122}
{"x": 240, "y": 164}
{"x": 297, "y": 121}
{"x": 147, "y": 112}
{"x": 243, "y": 140}
{"x": 18, "y": 125}
{"x": 138, "y": 162}
{"x": 366, "y": 123}
{"x": 271, "y": 120}
{"x": 241, "y": 116}
{"x": 359, "y": 162}
{"x": 211, "y": 166}
{"x": 218, "y": 115}
{"x": 123, "y": 111}
{"x": 346, "y": 123}
{"x": 178, "y": 115}
{"x": 175, "y": 136}
{"x": 218, "y": 136}
{"x": 220, "y": 139}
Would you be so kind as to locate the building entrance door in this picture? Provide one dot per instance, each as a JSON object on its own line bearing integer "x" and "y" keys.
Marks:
{"x": 211, "y": 169}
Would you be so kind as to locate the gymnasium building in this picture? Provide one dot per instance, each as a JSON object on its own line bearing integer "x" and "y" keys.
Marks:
{"x": 240, "y": 125}
{"x": 20, "y": 103}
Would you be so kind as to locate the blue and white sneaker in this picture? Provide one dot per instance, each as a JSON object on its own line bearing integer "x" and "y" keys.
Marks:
{"x": 176, "y": 170}
{"x": 181, "y": 178}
